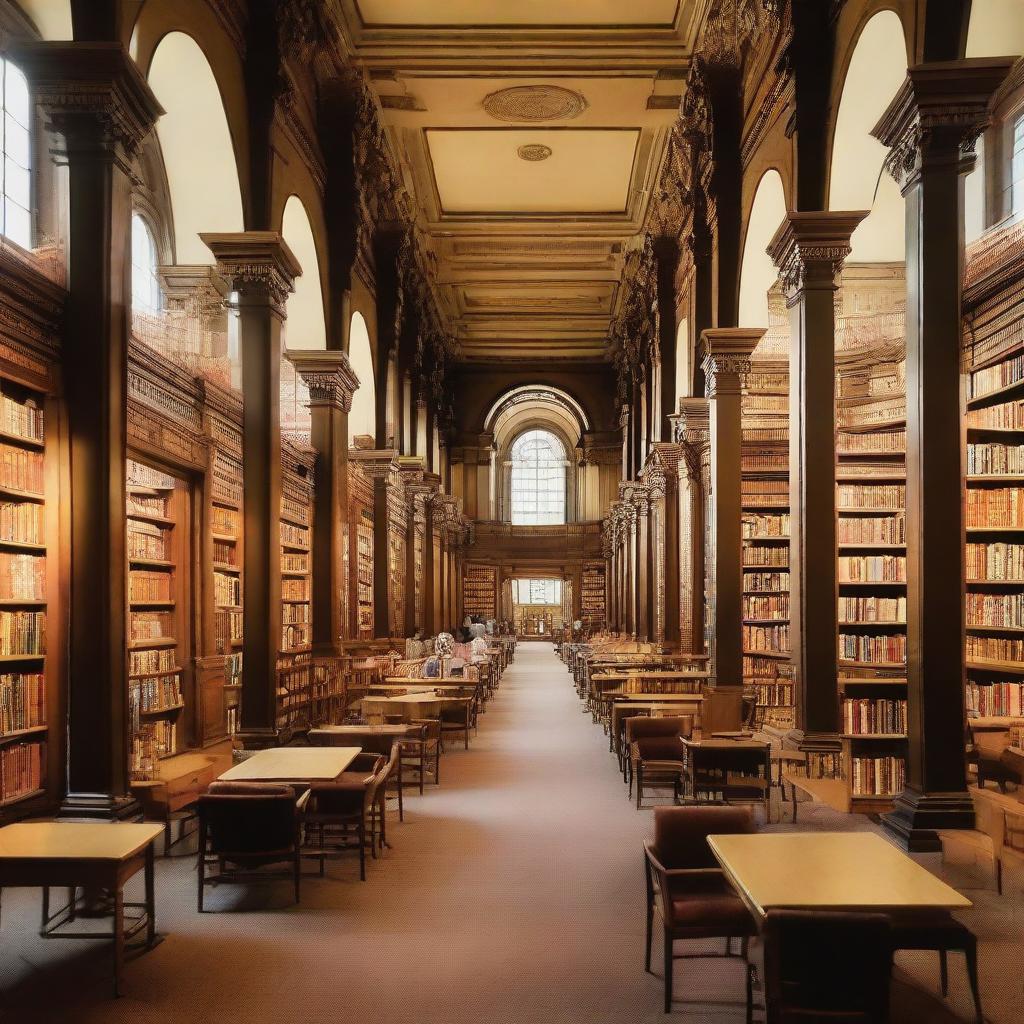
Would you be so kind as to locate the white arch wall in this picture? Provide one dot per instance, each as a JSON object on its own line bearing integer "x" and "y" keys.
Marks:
{"x": 51, "y": 17}
{"x": 682, "y": 361}
{"x": 362, "y": 417}
{"x": 196, "y": 145}
{"x": 758, "y": 273}
{"x": 305, "y": 327}
{"x": 857, "y": 182}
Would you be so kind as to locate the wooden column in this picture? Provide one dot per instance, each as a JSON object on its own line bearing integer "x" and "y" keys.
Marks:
{"x": 331, "y": 382}
{"x": 809, "y": 249}
{"x": 260, "y": 270}
{"x": 662, "y": 478}
{"x": 96, "y": 100}
{"x": 640, "y": 557}
{"x": 931, "y": 126}
{"x": 726, "y": 360}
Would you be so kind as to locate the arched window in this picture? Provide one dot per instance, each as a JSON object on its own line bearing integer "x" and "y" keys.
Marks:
{"x": 17, "y": 181}
{"x": 145, "y": 283}
{"x": 538, "y": 479}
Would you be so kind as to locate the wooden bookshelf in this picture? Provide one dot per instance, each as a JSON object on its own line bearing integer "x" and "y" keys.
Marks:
{"x": 592, "y": 596}
{"x": 479, "y": 594}
{"x": 296, "y": 597}
{"x": 361, "y": 553}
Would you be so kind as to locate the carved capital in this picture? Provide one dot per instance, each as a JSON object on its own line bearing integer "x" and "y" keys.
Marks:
{"x": 938, "y": 113}
{"x": 376, "y": 463}
{"x": 256, "y": 264}
{"x": 810, "y": 248}
{"x": 328, "y": 375}
{"x": 727, "y": 358}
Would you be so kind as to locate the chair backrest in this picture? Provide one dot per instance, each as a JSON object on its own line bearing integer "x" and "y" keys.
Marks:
{"x": 681, "y": 833}
{"x": 827, "y": 966}
{"x": 365, "y": 762}
{"x": 431, "y": 728}
{"x": 249, "y": 817}
{"x": 644, "y": 727}
{"x": 751, "y": 761}
{"x": 659, "y": 748}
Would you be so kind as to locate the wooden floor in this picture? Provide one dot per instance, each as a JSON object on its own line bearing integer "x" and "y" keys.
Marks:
{"x": 513, "y": 893}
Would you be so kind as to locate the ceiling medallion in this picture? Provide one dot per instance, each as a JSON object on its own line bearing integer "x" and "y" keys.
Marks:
{"x": 534, "y": 103}
{"x": 534, "y": 152}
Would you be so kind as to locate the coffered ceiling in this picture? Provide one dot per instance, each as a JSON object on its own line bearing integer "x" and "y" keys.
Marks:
{"x": 531, "y": 133}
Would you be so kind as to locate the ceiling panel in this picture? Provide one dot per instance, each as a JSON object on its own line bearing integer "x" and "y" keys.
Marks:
{"x": 518, "y": 13}
{"x": 529, "y": 171}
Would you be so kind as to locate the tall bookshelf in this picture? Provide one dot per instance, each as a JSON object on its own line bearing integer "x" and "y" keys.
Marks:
{"x": 296, "y": 604}
{"x": 27, "y": 686}
{"x": 593, "y": 595}
{"x": 361, "y": 551}
{"x": 158, "y": 629}
{"x": 871, "y": 533}
{"x": 994, "y": 469}
{"x": 479, "y": 593}
{"x": 227, "y": 595}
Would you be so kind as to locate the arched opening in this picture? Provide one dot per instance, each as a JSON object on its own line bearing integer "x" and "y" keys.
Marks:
{"x": 362, "y": 417}
{"x": 146, "y": 294}
{"x": 538, "y": 479}
{"x": 758, "y": 272}
{"x": 305, "y": 327}
{"x": 196, "y": 146}
{"x": 16, "y": 210}
{"x": 682, "y": 361}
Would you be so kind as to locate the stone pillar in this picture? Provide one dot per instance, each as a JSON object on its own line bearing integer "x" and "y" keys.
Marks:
{"x": 809, "y": 249}
{"x": 331, "y": 382}
{"x": 636, "y": 497}
{"x": 726, "y": 360}
{"x": 260, "y": 270}
{"x": 381, "y": 467}
{"x": 96, "y": 100}
{"x": 662, "y": 478}
{"x": 930, "y": 127}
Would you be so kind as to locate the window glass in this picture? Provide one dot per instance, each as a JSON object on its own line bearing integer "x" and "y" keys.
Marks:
{"x": 17, "y": 164}
{"x": 537, "y": 591}
{"x": 145, "y": 283}
{"x": 538, "y": 479}
{"x": 1017, "y": 166}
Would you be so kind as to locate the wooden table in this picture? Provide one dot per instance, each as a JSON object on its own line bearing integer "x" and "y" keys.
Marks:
{"x": 377, "y": 739}
{"x": 857, "y": 871}
{"x": 293, "y": 765}
{"x": 72, "y": 854}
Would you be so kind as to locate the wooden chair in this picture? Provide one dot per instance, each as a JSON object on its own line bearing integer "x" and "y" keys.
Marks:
{"x": 648, "y": 727}
{"x": 243, "y": 828}
{"x": 687, "y": 888}
{"x": 421, "y": 754}
{"x": 457, "y": 718}
{"x": 826, "y": 966}
{"x": 733, "y": 774}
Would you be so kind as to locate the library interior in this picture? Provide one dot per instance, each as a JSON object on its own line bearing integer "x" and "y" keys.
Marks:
{"x": 614, "y": 408}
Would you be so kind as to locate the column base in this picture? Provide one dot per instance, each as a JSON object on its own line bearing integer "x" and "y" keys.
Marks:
{"x": 258, "y": 739}
{"x": 98, "y": 807}
{"x": 916, "y": 817}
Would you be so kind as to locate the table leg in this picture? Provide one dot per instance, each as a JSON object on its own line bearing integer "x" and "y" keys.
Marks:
{"x": 118, "y": 938}
{"x": 150, "y": 896}
{"x": 45, "y": 919}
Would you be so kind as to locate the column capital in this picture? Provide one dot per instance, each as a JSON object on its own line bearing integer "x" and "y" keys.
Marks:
{"x": 691, "y": 430}
{"x": 256, "y": 264}
{"x": 939, "y": 112}
{"x": 810, "y": 247}
{"x": 727, "y": 357}
{"x": 328, "y": 374}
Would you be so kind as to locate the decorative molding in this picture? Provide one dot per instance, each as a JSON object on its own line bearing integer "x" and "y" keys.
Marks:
{"x": 726, "y": 362}
{"x": 534, "y": 103}
{"x": 327, "y": 374}
{"x": 812, "y": 247}
{"x": 256, "y": 264}
{"x": 533, "y": 152}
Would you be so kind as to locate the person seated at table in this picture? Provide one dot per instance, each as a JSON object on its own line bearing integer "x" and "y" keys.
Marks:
{"x": 432, "y": 668}
{"x": 478, "y": 647}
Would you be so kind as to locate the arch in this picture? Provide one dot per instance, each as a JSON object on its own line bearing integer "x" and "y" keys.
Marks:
{"x": 877, "y": 69}
{"x": 682, "y": 361}
{"x": 757, "y": 272}
{"x": 306, "y": 326}
{"x": 198, "y": 154}
{"x": 146, "y": 296}
{"x": 532, "y": 394}
{"x": 52, "y": 18}
{"x": 362, "y": 418}
{"x": 16, "y": 213}
{"x": 537, "y": 490}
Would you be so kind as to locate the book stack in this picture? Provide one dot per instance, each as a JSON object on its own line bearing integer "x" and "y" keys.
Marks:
{"x": 873, "y": 716}
{"x": 21, "y": 470}
{"x": 994, "y": 459}
{"x": 21, "y": 770}
{"x": 1002, "y": 610}
{"x": 998, "y": 698}
{"x": 872, "y": 568}
{"x": 21, "y": 419}
{"x": 869, "y": 650}
{"x": 149, "y": 661}
{"x": 22, "y": 577}
{"x": 996, "y": 560}
{"x": 22, "y": 633}
{"x": 995, "y": 508}
{"x": 156, "y": 693}
{"x": 146, "y": 540}
{"x": 22, "y": 702}
{"x": 873, "y": 609}
{"x": 21, "y": 523}
{"x": 878, "y": 776}
{"x": 227, "y": 590}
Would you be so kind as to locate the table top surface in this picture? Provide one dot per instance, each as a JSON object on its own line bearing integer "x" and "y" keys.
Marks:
{"x": 428, "y": 682}
{"x": 423, "y": 697}
{"x": 654, "y": 674}
{"x": 72, "y": 840}
{"x": 829, "y": 871}
{"x": 292, "y": 764}
{"x": 656, "y": 698}
{"x": 726, "y": 744}
{"x": 360, "y": 730}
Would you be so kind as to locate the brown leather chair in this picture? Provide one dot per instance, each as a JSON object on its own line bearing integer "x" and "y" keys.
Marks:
{"x": 826, "y": 966}
{"x": 646, "y": 728}
{"x": 341, "y": 813}
{"x": 246, "y": 826}
{"x": 688, "y": 888}
{"x": 658, "y": 762}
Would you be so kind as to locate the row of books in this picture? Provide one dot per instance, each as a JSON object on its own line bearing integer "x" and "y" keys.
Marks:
{"x": 753, "y": 463}
{"x": 998, "y": 698}
{"x": 235, "y": 622}
{"x": 147, "y": 505}
{"x": 992, "y": 378}
{"x": 873, "y": 609}
{"x": 872, "y": 530}
{"x": 295, "y": 613}
{"x": 21, "y": 522}
{"x": 874, "y": 715}
{"x": 995, "y": 610}
{"x": 860, "y": 647}
{"x": 766, "y": 582}
{"x": 877, "y": 776}
{"x": 872, "y": 568}
{"x": 760, "y": 668}
{"x": 759, "y": 435}
{"x": 994, "y": 648}
{"x": 765, "y": 492}
{"x": 295, "y": 590}
{"x": 767, "y": 380}
{"x": 224, "y": 552}
{"x": 998, "y": 560}
{"x": 23, "y": 419}
{"x": 765, "y": 554}
{"x": 227, "y": 589}
{"x": 294, "y": 635}
{"x": 295, "y": 536}
{"x": 761, "y": 525}
{"x": 233, "y": 669}
{"x": 773, "y": 695}
{"x": 225, "y": 520}
{"x": 20, "y": 469}
{"x": 774, "y": 606}
{"x": 874, "y": 468}
{"x": 294, "y": 562}
{"x": 21, "y": 769}
{"x": 882, "y": 412}
{"x": 22, "y": 701}
{"x": 873, "y": 441}
{"x": 995, "y": 506}
{"x": 887, "y": 496}
{"x": 146, "y": 540}
{"x": 658, "y": 686}
{"x": 161, "y": 659}
{"x": 22, "y": 577}
{"x": 994, "y": 458}
{"x": 150, "y": 742}
{"x": 22, "y": 633}
{"x": 1008, "y": 416}
{"x": 147, "y": 625}
{"x": 149, "y": 585}
{"x": 155, "y": 693}
{"x": 766, "y": 638}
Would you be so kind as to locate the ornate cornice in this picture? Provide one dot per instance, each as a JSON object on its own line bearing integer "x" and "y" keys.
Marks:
{"x": 727, "y": 358}
{"x": 256, "y": 264}
{"x": 328, "y": 375}
{"x": 811, "y": 247}
{"x": 376, "y": 463}
{"x": 691, "y": 430}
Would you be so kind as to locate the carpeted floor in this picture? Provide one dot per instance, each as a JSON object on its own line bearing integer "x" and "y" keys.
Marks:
{"x": 513, "y": 893}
